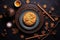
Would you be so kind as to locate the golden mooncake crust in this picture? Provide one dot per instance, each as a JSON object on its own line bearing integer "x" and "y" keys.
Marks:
{"x": 29, "y": 18}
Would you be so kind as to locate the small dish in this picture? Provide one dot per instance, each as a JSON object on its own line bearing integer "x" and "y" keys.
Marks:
{"x": 17, "y": 3}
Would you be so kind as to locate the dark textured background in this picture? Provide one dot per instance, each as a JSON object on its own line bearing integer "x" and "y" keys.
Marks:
{"x": 54, "y": 3}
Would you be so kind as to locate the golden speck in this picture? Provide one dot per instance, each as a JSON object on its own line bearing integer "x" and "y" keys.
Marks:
{"x": 50, "y": 12}
{"x": 52, "y": 25}
{"x": 5, "y": 6}
{"x": 56, "y": 18}
{"x": 14, "y": 30}
{"x": 4, "y": 29}
{"x": 52, "y": 8}
{"x": 44, "y": 6}
{"x": 43, "y": 32}
{"x": 11, "y": 11}
{"x": 46, "y": 23}
{"x": 22, "y": 36}
{"x": 27, "y": 1}
{"x": 1, "y": 16}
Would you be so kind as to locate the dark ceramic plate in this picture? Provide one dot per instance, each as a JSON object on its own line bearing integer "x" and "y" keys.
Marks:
{"x": 27, "y": 27}
{"x": 19, "y": 15}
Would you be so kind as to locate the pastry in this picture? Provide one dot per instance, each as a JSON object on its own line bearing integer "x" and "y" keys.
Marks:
{"x": 29, "y": 18}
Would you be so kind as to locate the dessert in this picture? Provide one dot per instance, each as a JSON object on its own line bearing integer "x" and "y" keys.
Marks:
{"x": 29, "y": 18}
